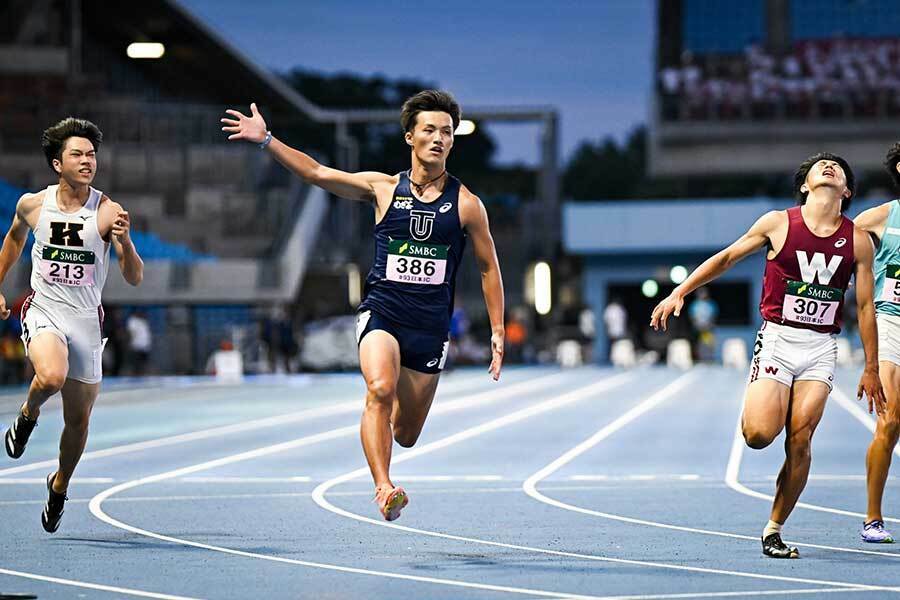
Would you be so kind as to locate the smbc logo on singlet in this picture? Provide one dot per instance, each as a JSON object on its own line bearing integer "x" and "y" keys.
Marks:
{"x": 817, "y": 267}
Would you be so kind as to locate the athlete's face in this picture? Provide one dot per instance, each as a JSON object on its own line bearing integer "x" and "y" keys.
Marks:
{"x": 432, "y": 137}
{"x": 78, "y": 162}
{"x": 827, "y": 173}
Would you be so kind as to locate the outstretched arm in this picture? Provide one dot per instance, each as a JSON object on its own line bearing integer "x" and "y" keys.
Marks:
{"x": 869, "y": 383}
{"x": 353, "y": 186}
{"x": 755, "y": 238}
{"x": 474, "y": 218}
{"x": 13, "y": 244}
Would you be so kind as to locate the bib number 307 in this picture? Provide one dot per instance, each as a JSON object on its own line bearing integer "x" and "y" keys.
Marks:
{"x": 413, "y": 262}
{"x": 810, "y": 304}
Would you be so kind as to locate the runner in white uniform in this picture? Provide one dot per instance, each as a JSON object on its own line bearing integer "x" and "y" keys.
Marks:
{"x": 74, "y": 226}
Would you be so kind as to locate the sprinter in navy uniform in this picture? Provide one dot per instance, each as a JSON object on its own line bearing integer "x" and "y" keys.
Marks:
{"x": 422, "y": 220}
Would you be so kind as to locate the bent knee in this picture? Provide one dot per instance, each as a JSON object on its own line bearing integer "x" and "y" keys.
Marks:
{"x": 888, "y": 431}
{"x": 380, "y": 390}
{"x": 405, "y": 437}
{"x": 757, "y": 438}
{"x": 50, "y": 380}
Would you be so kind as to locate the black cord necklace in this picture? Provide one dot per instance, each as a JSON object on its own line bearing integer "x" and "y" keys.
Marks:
{"x": 421, "y": 186}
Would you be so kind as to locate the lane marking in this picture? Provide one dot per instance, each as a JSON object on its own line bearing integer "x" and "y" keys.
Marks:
{"x": 96, "y": 504}
{"x": 320, "y": 492}
{"x": 92, "y": 586}
{"x": 732, "y": 475}
{"x": 343, "y": 408}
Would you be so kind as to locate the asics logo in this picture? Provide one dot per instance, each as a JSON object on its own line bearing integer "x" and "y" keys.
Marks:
{"x": 445, "y": 207}
{"x": 433, "y": 362}
{"x": 840, "y": 243}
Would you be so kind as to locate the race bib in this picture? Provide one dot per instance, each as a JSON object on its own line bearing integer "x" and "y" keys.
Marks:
{"x": 810, "y": 304}
{"x": 67, "y": 267}
{"x": 414, "y": 262}
{"x": 890, "y": 291}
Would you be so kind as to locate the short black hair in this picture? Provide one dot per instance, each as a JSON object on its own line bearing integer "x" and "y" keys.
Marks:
{"x": 428, "y": 100}
{"x": 806, "y": 165}
{"x": 890, "y": 163}
{"x": 53, "y": 140}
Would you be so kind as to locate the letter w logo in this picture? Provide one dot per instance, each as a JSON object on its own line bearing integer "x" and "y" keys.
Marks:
{"x": 772, "y": 370}
{"x": 810, "y": 268}
{"x": 66, "y": 234}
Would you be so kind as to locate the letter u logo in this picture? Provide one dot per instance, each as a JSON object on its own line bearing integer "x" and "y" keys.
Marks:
{"x": 420, "y": 224}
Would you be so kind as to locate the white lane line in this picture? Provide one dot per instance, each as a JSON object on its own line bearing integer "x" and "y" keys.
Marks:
{"x": 320, "y": 492}
{"x": 275, "y": 421}
{"x": 647, "y": 477}
{"x": 93, "y": 586}
{"x": 732, "y": 475}
{"x": 43, "y": 480}
{"x": 530, "y": 484}
{"x": 96, "y": 503}
{"x": 736, "y": 594}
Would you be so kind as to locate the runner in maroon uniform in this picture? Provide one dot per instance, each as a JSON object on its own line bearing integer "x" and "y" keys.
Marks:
{"x": 812, "y": 251}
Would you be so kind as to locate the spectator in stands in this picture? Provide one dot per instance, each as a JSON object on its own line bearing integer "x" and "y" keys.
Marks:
{"x": 140, "y": 341}
{"x": 703, "y": 313}
{"x": 615, "y": 318}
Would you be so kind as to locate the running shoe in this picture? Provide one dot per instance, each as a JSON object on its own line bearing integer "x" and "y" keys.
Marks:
{"x": 53, "y": 511}
{"x": 875, "y": 533}
{"x": 17, "y": 435}
{"x": 773, "y": 547}
{"x": 391, "y": 502}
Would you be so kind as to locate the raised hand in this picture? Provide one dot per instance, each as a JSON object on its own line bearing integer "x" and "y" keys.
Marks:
{"x": 241, "y": 127}
{"x": 121, "y": 227}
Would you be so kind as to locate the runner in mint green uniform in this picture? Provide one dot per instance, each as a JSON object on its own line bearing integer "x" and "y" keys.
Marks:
{"x": 883, "y": 225}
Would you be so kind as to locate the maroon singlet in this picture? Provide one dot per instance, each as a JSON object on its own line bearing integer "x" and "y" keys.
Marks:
{"x": 804, "y": 284}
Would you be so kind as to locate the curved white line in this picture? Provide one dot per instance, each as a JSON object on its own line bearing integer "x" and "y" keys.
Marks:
{"x": 732, "y": 474}
{"x": 320, "y": 491}
{"x": 96, "y": 503}
{"x": 92, "y": 586}
{"x": 276, "y": 421}
{"x": 530, "y": 484}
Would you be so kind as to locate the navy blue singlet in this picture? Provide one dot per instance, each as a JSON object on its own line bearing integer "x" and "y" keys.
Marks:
{"x": 418, "y": 248}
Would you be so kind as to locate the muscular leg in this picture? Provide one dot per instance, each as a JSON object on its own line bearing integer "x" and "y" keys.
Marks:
{"x": 50, "y": 357}
{"x": 415, "y": 392}
{"x": 78, "y": 400}
{"x": 807, "y": 406}
{"x": 379, "y": 358}
{"x": 765, "y": 412}
{"x": 881, "y": 450}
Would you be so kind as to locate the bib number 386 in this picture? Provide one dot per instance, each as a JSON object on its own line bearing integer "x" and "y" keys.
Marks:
{"x": 810, "y": 304}
{"x": 413, "y": 262}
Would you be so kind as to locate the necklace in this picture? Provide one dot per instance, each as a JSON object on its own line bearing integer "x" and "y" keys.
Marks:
{"x": 421, "y": 186}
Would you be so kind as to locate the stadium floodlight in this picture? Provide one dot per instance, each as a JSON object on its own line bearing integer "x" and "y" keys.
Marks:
{"x": 145, "y": 50}
{"x": 650, "y": 288}
{"x": 465, "y": 127}
{"x": 542, "y": 292}
{"x": 678, "y": 274}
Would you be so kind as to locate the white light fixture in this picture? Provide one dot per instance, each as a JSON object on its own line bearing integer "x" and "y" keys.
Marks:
{"x": 145, "y": 50}
{"x": 650, "y": 288}
{"x": 354, "y": 285}
{"x": 542, "y": 290}
{"x": 465, "y": 127}
{"x": 678, "y": 274}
